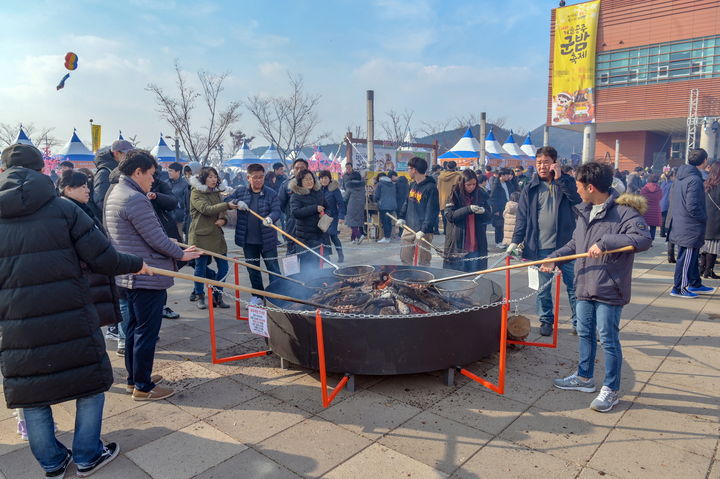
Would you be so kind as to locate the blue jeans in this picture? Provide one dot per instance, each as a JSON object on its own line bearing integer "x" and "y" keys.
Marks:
{"x": 605, "y": 318}
{"x": 87, "y": 446}
{"x": 386, "y": 222}
{"x": 203, "y": 271}
{"x": 255, "y": 251}
{"x": 125, "y": 314}
{"x": 146, "y": 306}
{"x": 544, "y": 299}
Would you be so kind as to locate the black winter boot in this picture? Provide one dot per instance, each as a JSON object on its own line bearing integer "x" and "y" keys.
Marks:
{"x": 341, "y": 255}
{"x": 709, "y": 266}
{"x": 218, "y": 300}
{"x": 703, "y": 260}
{"x": 671, "y": 253}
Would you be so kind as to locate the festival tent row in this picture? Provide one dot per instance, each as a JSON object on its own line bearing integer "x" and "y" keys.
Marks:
{"x": 466, "y": 152}
{"x": 76, "y": 152}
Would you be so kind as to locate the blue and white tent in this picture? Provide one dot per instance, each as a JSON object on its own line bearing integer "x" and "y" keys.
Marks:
{"x": 465, "y": 152}
{"x": 76, "y": 151}
{"x": 23, "y": 138}
{"x": 242, "y": 158}
{"x": 271, "y": 155}
{"x": 162, "y": 151}
{"x": 514, "y": 150}
{"x": 528, "y": 146}
{"x": 494, "y": 153}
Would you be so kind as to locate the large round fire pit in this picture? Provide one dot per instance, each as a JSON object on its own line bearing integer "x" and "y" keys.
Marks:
{"x": 385, "y": 345}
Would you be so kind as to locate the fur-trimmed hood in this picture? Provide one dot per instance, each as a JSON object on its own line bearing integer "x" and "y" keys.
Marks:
{"x": 301, "y": 190}
{"x": 333, "y": 185}
{"x": 637, "y": 202}
{"x": 195, "y": 183}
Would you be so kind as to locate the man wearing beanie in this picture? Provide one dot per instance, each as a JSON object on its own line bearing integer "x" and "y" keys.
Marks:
{"x": 45, "y": 310}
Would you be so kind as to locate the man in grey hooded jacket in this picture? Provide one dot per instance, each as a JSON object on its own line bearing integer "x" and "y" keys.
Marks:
{"x": 605, "y": 222}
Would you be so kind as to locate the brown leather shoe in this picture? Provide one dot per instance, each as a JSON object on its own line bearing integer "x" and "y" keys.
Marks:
{"x": 156, "y": 378}
{"x": 157, "y": 393}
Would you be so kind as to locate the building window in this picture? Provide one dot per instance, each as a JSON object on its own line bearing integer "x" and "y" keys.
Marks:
{"x": 662, "y": 62}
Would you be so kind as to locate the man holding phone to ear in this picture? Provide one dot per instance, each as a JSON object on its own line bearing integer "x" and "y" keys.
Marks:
{"x": 545, "y": 221}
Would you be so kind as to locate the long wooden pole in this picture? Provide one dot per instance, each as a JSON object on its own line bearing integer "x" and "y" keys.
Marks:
{"x": 222, "y": 284}
{"x": 410, "y": 230}
{"x": 288, "y": 235}
{"x": 242, "y": 263}
{"x": 530, "y": 263}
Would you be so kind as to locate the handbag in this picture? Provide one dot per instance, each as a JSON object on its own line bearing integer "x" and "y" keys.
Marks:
{"x": 324, "y": 222}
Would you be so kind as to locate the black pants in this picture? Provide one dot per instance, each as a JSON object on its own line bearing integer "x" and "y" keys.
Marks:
{"x": 328, "y": 241}
{"x": 253, "y": 251}
{"x": 663, "y": 232}
{"x": 498, "y": 223}
{"x": 386, "y": 222}
{"x": 141, "y": 335}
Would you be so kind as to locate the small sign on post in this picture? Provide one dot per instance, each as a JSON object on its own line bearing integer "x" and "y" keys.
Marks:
{"x": 257, "y": 320}
{"x": 290, "y": 265}
{"x": 533, "y": 278}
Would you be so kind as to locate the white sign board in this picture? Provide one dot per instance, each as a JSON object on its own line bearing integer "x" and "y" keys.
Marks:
{"x": 257, "y": 320}
{"x": 290, "y": 265}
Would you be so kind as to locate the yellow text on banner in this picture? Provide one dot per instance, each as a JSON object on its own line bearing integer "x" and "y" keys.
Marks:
{"x": 573, "y": 79}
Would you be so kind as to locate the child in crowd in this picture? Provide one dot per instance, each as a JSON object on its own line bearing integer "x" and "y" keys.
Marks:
{"x": 509, "y": 215}
{"x": 605, "y": 222}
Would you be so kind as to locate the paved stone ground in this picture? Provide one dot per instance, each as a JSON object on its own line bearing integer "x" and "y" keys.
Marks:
{"x": 250, "y": 419}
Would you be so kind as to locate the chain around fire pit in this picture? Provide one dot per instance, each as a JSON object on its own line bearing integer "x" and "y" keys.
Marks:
{"x": 408, "y": 314}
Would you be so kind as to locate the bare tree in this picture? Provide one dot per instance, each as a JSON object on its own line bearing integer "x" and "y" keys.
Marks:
{"x": 39, "y": 136}
{"x": 397, "y": 125}
{"x": 467, "y": 120}
{"x": 238, "y": 137}
{"x": 289, "y": 121}
{"x": 178, "y": 111}
{"x": 356, "y": 130}
{"x": 498, "y": 122}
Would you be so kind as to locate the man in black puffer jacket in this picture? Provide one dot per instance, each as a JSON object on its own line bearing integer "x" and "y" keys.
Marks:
{"x": 107, "y": 159}
{"x": 51, "y": 346}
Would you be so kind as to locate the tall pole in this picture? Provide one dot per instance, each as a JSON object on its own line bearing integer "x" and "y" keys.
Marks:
{"x": 546, "y": 135}
{"x": 617, "y": 154}
{"x": 371, "y": 129}
{"x": 483, "y": 134}
{"x": 588, "y": 153}
{"x": 177, "y": 147}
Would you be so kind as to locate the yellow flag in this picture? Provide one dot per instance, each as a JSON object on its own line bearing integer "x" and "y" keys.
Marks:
{"x": 573, "y": 79}
{"x": 96, "y": 132}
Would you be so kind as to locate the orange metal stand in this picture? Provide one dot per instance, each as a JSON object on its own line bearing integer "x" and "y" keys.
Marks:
{"x": 326, "y": 398}
{"x": 213, "y": 341}
{"x": 500, "y": 386}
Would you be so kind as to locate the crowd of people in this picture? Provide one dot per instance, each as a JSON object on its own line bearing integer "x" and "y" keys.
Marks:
{"x": 90, "y": 241}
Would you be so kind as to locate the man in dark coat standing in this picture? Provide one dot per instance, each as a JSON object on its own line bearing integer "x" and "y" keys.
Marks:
{"x": 500, "y": 190}
{"x": 545, "y": 221}
{"x": 284, "y": 196}
{"x": 106, "y": 161}
{"x": 51, "y": 346}
{"x": 255, "y": 237}
{"x": 688, "y": 217}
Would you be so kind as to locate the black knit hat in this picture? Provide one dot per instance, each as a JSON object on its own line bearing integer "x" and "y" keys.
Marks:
{"x": 26, "y": 156}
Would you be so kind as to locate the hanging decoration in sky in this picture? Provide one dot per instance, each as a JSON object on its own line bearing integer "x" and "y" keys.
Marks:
{"x": 71, "y": 63}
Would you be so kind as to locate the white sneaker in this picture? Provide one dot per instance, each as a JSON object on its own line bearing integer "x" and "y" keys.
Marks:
{"x": 361, "y": 239}
{"x": 384, "y": 240}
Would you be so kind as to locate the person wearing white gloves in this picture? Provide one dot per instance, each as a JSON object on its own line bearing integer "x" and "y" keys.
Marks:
{"x": 420, "y": 213}
{"x": 467, "y": 213}
{"x": 255, "y": 237}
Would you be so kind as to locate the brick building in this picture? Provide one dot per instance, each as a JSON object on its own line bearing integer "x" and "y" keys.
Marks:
{"x": 650, "y": 55}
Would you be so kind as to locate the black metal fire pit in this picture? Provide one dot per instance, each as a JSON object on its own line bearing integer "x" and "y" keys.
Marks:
{"x": 385, "y": 346}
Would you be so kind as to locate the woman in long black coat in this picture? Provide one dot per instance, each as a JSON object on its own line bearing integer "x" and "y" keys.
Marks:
{"x": 467, "y": 212}
{"x": 306, "y": 204}
{"x": 73, "y": 186}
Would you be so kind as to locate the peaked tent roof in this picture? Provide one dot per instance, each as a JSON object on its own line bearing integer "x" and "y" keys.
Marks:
{"x": 120, "y": 137}
{"x": 294, "y": 155}
{"x": 528, "y": 146}
{"x": 23, "y": 138}
{"x": 162, "y": 151}
{"x": 271, "y": 155}
{"x": 467, "y": 147}
{"x": 512, "y": 148}
{"x": 75, "y": 151}
{"x": 243, "y": 157}
{"x": 408, "y": 141}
